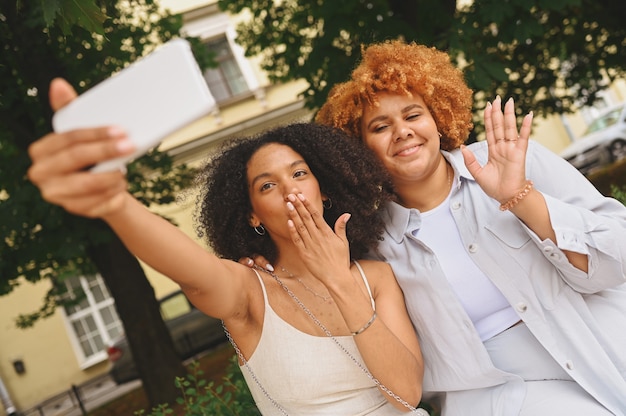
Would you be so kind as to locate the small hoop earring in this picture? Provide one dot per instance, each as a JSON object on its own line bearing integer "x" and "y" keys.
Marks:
{"x": 259, "y": 229}
{"x": 328, "y": 204}
{"x": 440, "y": 135}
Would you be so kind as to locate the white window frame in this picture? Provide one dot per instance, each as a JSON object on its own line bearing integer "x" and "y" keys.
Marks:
{"x": 93, "y": 310}
{"x": 219, "y": 25}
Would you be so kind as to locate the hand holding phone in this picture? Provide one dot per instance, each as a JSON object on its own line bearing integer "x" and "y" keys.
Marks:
{"x": 150, "y": 99}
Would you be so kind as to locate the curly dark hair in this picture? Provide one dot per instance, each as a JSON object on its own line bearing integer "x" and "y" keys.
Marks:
{"x": 347, "y": 172}
{"x": 403, "y": 68}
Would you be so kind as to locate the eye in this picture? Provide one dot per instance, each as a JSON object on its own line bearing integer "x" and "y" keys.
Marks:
{"x": 265, "y": 186}
{"x": 300, "y": 173}
{"x": 412, "y": 116}
{"x": 380, "y": 127}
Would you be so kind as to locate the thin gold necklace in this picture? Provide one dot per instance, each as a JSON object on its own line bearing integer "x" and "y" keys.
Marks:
{"x": 324, "y": 298}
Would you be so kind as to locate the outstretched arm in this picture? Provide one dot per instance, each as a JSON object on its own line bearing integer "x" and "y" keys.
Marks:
{"x": 59, "y": 163}
{"x": 503, "y": 177}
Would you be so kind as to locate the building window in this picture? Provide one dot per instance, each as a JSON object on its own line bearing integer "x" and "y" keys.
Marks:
{"x": 226, "y": 81}
{"x": 93, "y": 319}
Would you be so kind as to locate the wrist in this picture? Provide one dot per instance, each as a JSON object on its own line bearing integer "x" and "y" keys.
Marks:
{"x": 519, "y": 196}
{"x": 119, "y": 208}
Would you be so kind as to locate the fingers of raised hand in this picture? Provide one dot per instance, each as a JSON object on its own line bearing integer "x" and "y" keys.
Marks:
{"x": 62, "y": 153}
{"x": 86, "y": 194}
{"x": 256, "y": 260}
{"x": 501, "y": 127}
{"x": 490, "y": 133}
{"x": 527, "y": 123}
{"x": 494, "y": 120}
{"x": 510, "y": 122}
{"x": 61, "y": 93}
{"x": 304, "y": 217}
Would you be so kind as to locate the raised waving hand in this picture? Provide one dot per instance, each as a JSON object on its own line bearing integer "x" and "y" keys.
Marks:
{"x": 504, "y": 174}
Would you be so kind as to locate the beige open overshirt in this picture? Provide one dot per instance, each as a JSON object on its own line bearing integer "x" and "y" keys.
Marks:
{"x": 580, "y": 318}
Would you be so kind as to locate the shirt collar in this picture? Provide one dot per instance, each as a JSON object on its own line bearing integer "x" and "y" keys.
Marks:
{"x": 400, "y": 220}
{"x": 455, "y": 158}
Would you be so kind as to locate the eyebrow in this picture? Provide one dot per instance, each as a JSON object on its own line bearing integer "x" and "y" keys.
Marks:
{"x": 384, "y": 116}
{"x": 265, "y": 174}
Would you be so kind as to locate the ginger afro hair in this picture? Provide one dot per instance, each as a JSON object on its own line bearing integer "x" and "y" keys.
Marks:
{"x": 403, "y": 68}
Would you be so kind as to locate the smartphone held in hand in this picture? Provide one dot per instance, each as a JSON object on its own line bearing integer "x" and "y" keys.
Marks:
{"x": 150, "y": 99}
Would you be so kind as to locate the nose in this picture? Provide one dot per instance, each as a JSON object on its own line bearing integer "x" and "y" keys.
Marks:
{"x": 403, "y": 133}
{"x": 290, "y": 188}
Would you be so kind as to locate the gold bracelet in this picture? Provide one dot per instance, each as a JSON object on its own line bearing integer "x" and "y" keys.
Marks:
{"x": 367, "y": 325}
{"x": 521, "y": 195}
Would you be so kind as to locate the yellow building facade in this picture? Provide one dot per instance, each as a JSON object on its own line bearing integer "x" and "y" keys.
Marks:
{"x": 60, "y": 352}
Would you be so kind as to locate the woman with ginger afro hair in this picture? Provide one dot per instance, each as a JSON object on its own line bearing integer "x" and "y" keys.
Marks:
{"x": 513, "y": 266}
{"x": 395, "y": 67}
{"x": 324, "y": 334}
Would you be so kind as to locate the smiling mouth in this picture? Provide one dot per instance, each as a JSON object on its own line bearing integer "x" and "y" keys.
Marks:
{"x": 407, "y": 150}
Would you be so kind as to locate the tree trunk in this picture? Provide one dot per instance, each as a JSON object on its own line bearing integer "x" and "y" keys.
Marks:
{"x": 150, "y": 342}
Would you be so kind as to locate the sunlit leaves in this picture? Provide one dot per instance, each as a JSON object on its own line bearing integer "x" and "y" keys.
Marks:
{"x": 68, "y": 14}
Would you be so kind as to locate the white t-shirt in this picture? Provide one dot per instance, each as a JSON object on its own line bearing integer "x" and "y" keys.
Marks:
{"x": 484, "y": 303}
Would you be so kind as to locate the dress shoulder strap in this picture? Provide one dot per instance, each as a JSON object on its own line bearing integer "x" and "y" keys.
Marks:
{"x": 262, "y": 286}
{"x": 367, "y": 285}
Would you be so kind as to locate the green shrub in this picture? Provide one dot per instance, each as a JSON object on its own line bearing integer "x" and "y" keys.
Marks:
{"x": 200, "y": 398}
{"x": 611, "y": 176}
{"x": 619, "y": 193}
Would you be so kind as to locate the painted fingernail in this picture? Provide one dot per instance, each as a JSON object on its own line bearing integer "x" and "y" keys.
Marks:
{"x": 269, "y": 267}
{"x": 291, "y": 197}
{"x": 115, "y": 131}
{"x": 123, "y": 145}
{"x": 301, "y": 197}
{"x": 290, "y": 206}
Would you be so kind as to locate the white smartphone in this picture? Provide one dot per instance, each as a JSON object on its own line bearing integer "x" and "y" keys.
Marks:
{"x": 150, "y": 99}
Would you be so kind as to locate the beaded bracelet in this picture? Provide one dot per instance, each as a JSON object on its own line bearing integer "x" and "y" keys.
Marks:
{"x": 367, "y": 325}
{"x": 521, "y": 195}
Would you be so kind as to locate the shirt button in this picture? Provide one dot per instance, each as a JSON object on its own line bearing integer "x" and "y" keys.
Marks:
{"x": 548, "y": 249}
{"x": 521, "y": 307}
{"x": 569, "y": 365}
{"x": 473, "y": 248}
{"x": 456, "y": 205}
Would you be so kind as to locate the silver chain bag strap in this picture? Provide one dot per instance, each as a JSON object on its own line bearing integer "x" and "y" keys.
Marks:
{"x": 417, "y": 411}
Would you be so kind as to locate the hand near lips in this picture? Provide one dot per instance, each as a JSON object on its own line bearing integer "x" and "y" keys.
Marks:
{"x": 319, "y": 248}
{"x": 314, "y": 239}
{"x": 504, "y": 174}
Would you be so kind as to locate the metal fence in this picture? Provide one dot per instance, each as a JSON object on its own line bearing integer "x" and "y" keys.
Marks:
{"x": 76, "y": 400}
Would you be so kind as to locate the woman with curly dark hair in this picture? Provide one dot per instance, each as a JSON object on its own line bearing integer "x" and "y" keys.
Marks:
{"x": 324, "y": 334}
{"x": 513, "y": 266}
{"x": 350, "y": 178}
